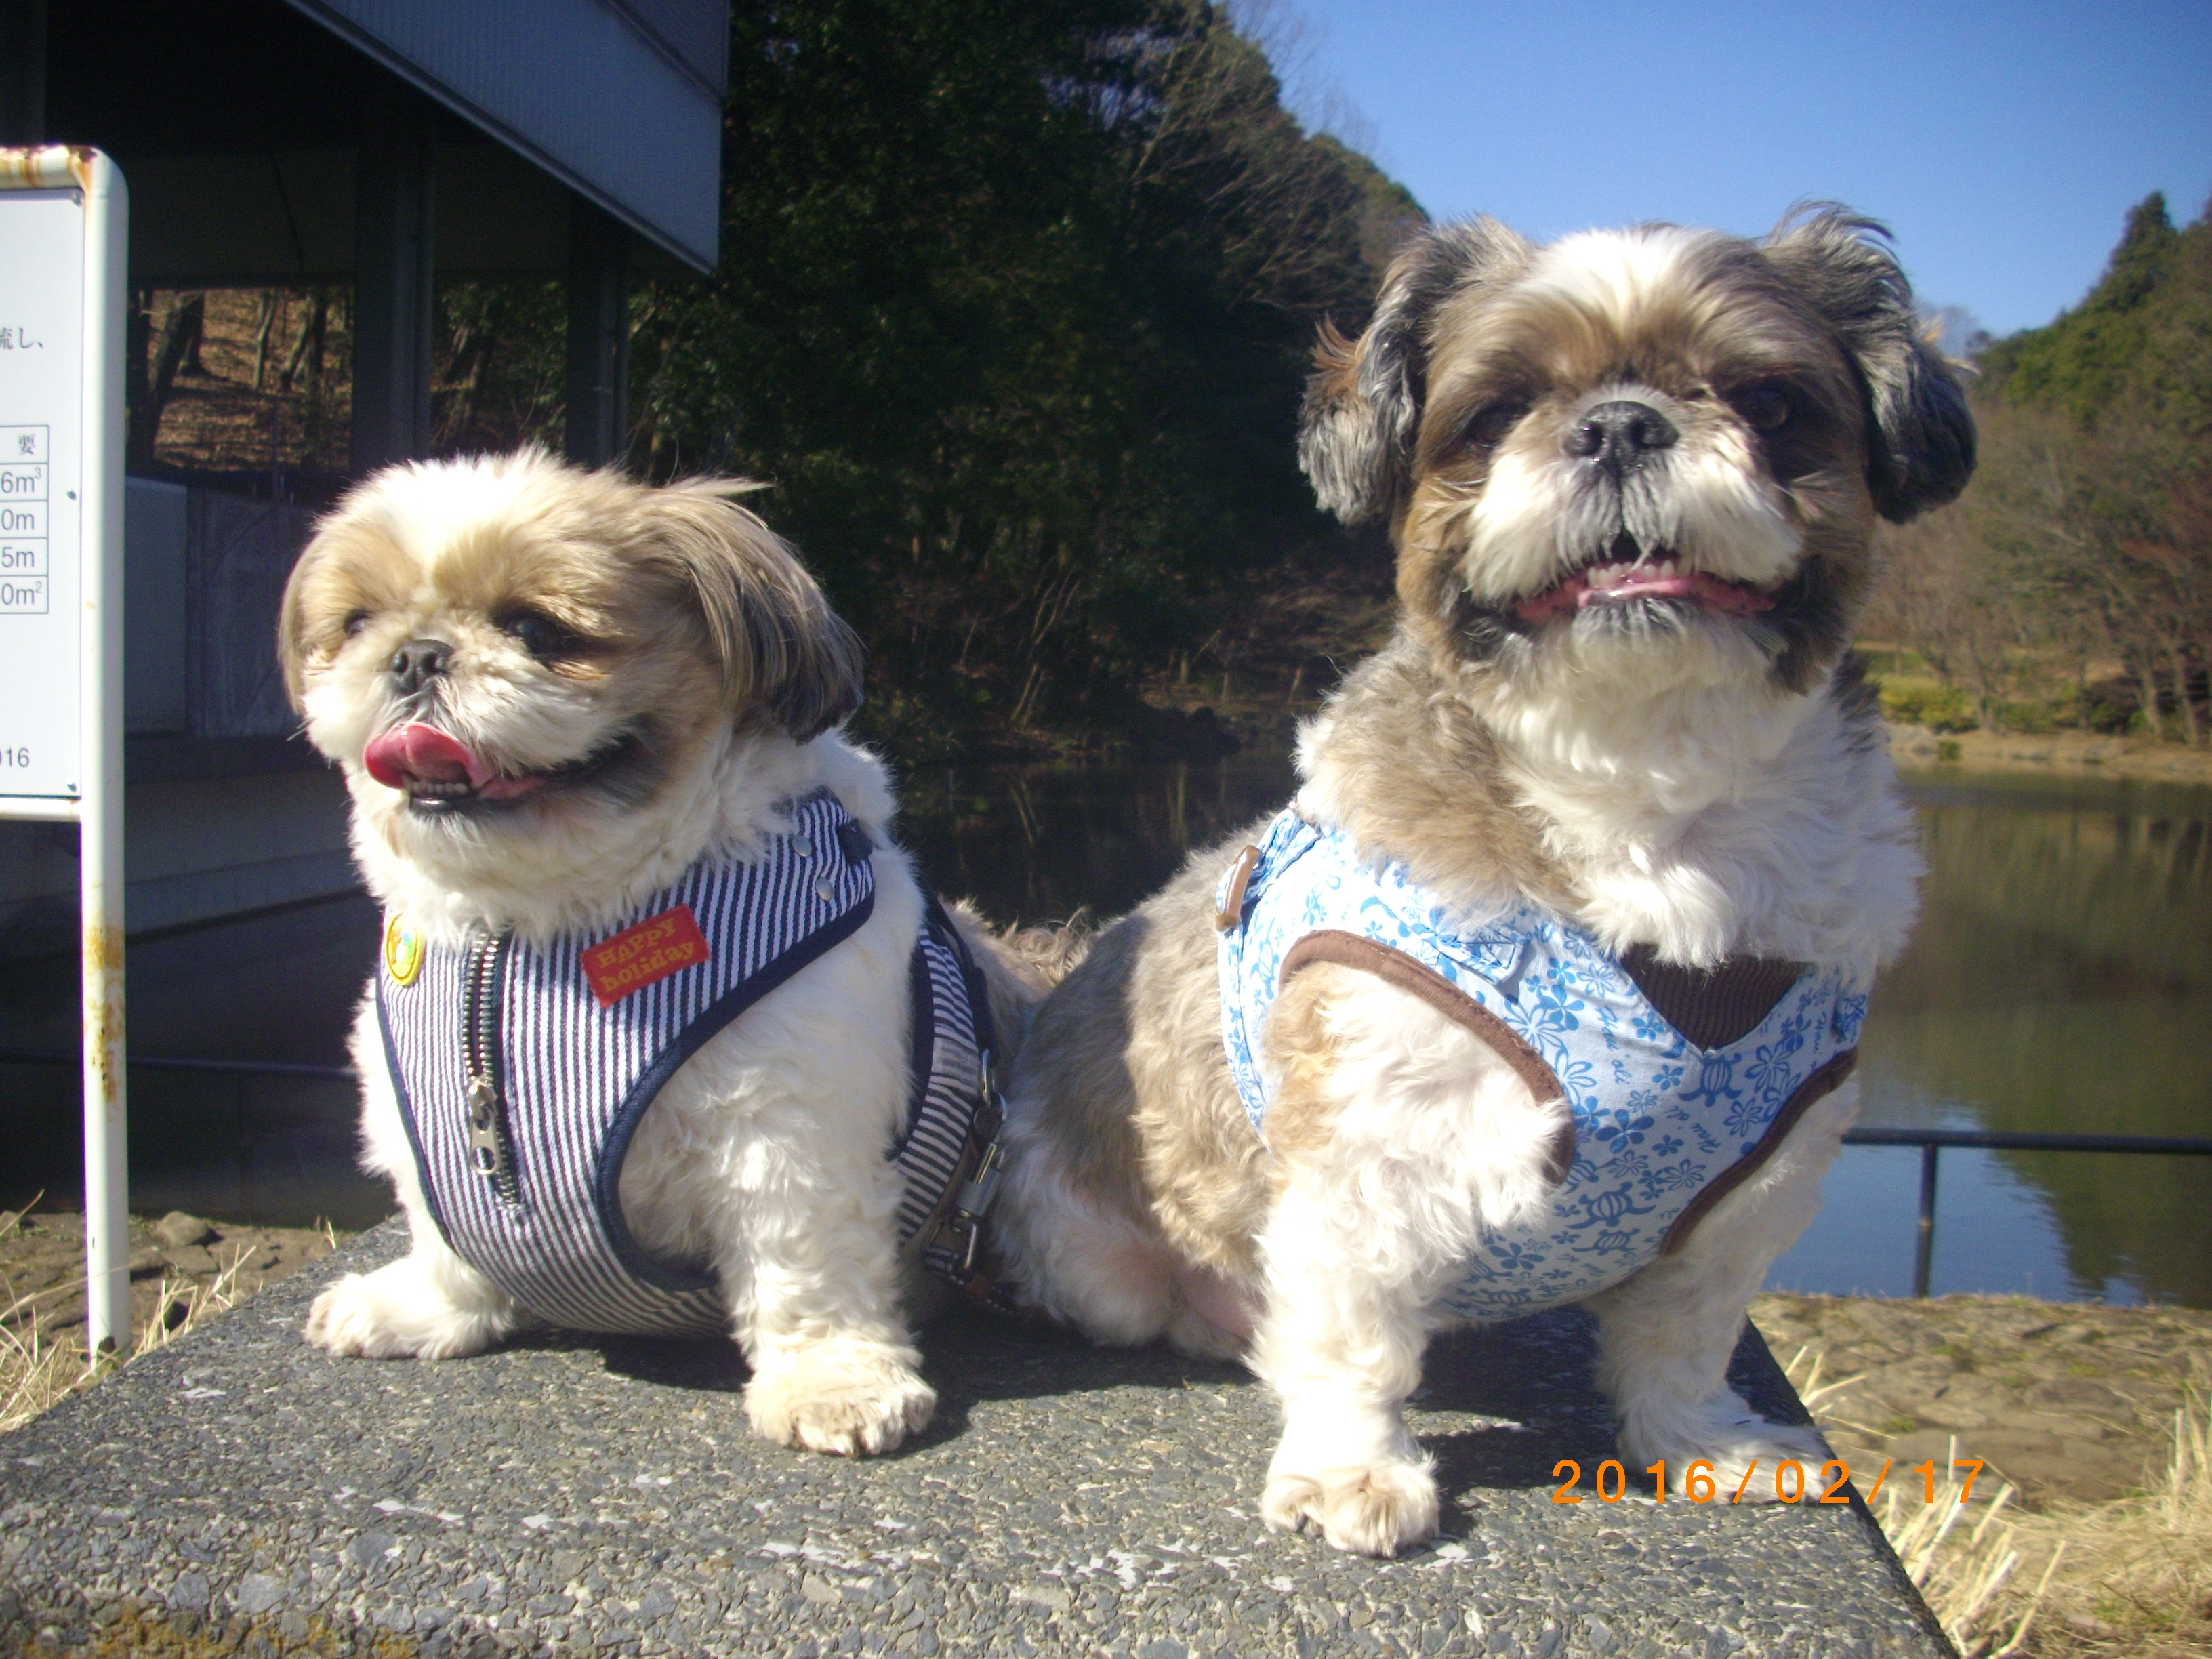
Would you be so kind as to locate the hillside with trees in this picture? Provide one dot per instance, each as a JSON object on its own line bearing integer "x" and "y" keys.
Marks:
{"x": 2072, "y": 584}
{"x": 1014, "y": 309}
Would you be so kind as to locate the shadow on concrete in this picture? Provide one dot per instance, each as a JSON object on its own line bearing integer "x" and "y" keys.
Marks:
{"x": 968, "y": 1356}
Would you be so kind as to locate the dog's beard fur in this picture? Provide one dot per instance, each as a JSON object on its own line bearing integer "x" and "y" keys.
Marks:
{"x": 643, "y": 776}
{"x": 1537, "y": 514}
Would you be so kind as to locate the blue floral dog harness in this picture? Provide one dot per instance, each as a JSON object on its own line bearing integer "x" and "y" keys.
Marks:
{"x": 523, "y": 1070}
{"x": 1680, "y": 1083}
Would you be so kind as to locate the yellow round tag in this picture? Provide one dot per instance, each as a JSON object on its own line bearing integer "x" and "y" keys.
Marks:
{"x": 402, "y": 952}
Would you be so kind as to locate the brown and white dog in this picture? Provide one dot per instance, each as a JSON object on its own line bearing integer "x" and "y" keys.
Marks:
{"x": 553, "y": 692}
{"x": 1632, "y": 480}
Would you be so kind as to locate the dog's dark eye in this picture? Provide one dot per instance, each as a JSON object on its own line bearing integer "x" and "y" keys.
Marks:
{"x": 1492, "y": 422}
{"x": 355, "y": 621}
{"x": 538, "y": 633}
{"x": 1766, "y": 408}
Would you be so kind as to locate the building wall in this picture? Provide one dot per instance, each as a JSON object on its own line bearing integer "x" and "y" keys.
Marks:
{"x": 195, "y": 849}
{"x": 226, "y": 809}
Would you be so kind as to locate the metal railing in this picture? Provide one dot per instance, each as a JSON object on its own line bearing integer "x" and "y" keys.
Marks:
{"x": 1932, "y": 1141}
{"x": 175, "y": 1063}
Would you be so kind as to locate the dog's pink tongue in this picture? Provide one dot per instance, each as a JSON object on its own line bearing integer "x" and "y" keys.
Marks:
{"x": 416, "y": 753}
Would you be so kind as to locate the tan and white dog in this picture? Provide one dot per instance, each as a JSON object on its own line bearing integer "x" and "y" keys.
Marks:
{"x": 552, "y": 693}
{"x": 1632, "y": 480}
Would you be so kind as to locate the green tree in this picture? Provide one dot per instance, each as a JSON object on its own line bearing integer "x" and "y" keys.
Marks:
{"x": 1014, "y": 311}
{"x": 2089, "y": 527}
{"x": 2092, "y": 354}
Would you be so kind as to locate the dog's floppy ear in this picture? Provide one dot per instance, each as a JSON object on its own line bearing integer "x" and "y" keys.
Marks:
{"x": 780, "y": 646}
{"x": 1921, "y": 445}
{"x": 1362, "y": 403}
{"x": 293, "y": 625}
{"x": 335, "y": 572}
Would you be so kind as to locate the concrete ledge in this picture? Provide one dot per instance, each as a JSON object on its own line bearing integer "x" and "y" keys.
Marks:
{"x": 241, "y": 1492}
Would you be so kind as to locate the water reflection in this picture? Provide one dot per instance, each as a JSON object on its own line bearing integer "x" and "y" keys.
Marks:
{"x": 1039, "y": 843}
{"x": 2061, "y": 980}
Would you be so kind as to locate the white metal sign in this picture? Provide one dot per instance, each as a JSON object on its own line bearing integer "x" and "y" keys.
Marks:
{"x": 64, "y": 223}
{"x": 41, "y": 411}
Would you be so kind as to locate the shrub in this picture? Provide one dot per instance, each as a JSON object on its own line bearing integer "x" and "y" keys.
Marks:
{"x": 2102, "y": 710}
{"x": 1938, "y": 706}
{"x": 2037, "y": 716}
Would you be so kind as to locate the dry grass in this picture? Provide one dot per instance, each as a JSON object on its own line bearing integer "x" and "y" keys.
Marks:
{"x": 2131, "y": 1578}
{"x": 37, "y": 1371}
{"x": 1967, "y": 1567}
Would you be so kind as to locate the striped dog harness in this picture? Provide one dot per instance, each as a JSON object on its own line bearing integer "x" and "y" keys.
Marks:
{"x": 1679, "y": 1083}
{"x": 522, "y": 1070}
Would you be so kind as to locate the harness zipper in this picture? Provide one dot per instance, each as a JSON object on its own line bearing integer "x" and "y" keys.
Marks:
{"x": 489, "y": 1148}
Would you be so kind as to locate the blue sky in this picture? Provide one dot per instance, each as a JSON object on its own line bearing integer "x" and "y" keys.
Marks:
{"x": 2002, "y": 144}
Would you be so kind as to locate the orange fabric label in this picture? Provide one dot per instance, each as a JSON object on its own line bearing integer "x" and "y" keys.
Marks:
{"x": 644, "y": 955}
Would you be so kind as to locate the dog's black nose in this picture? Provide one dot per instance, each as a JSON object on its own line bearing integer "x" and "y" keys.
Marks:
{"x": 1622, "y": 436}
{"x": 418, "y": 661}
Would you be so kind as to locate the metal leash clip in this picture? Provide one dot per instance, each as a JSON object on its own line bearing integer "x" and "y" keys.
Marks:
{"x": 972, "y": 1203}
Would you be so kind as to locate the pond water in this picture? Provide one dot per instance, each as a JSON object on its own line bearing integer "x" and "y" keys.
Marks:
{"x": 2061, "y": 979}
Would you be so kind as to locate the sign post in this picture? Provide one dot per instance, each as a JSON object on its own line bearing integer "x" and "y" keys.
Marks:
{"x": 64, "y": 217}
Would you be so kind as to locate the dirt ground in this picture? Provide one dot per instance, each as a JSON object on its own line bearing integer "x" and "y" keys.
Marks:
{"x": 2065, "y": 1399}
{"x": 2138, "y": 759}
{"x": 174, "y": 1259}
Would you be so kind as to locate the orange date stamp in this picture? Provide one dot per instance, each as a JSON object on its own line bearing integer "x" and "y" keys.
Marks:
{"x": 1791, "y": 1483}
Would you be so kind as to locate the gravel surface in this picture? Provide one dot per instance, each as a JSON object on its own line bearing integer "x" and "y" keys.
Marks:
{"x": 241, "y": 1492}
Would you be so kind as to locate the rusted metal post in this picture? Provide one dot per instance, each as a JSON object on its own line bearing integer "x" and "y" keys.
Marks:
{"x": 107, "y": 1118}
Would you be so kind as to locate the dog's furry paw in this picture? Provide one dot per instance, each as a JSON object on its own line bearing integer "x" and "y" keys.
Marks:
{"x": 1730, "y": 1443}
{"x": 394, "y": 1313}
{"x": 850, "y": 1400}
{"x": 1376, "y": 1510}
